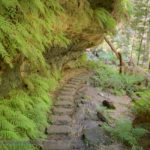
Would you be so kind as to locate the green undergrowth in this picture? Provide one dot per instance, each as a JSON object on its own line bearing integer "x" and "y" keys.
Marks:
{"x": 107, "y": 77}
{"x": 141, "y": 108}
{"x": 105, "y": 20}
{"x": 124, "y": 132}
{"x": 24, "y": 112}
{"x": 82, "y": 61}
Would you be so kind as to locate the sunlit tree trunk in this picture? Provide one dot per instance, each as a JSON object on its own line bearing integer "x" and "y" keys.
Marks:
{"x": 119, "y": 56}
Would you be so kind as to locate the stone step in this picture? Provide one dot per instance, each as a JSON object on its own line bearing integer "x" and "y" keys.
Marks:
{"x": 57, "y": 145}
{"x": 65, "y": 97}
{"x": 59, "y": 129}
{"x": 82, "y": 75}
{"x": 64, "y": 103}
{"x": 61, "y": 120}
{"x": 62, "y": 111}
{"x": 68, "y": 89}
{"x": 76, "y": 79}
{"x": 70, "y": 93}
{"x": 58, "y": 137}
{"x": 72, "y": 85}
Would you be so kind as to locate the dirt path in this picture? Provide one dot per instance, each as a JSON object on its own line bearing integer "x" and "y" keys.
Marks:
{"x": 77, "y": 125}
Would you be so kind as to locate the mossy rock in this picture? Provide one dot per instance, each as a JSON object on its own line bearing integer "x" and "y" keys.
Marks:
{"x": 96, "y": 137}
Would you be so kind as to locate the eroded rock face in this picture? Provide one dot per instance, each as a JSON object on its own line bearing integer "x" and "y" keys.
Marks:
{"x": 59, "y": 56}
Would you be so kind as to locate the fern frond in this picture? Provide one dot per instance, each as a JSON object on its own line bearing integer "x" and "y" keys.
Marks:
{"x": 106, "y": 22}
{"x": 8, "y": 135}
{"x": 5, "y": 125}
{"x": 5, "y": 55}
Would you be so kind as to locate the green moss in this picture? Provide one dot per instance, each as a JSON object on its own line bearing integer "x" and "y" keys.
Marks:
{"x": 82, "y": 61}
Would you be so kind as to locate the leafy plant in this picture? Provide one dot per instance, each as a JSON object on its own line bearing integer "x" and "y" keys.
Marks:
{"x": 82, "y": 61}
{"x": 124, "y": 132}
{"x": 105, "y": 20}
{"x": 24, "y": 114}
{"x": 107, "y": 77}
{"x": 141, "y": 107}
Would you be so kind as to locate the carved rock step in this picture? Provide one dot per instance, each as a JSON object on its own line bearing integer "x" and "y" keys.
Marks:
{"x": 76, "y": 79}
{"x": 67, "y": 88}
{"x": 61, "y": 120}
{"x": 59, "y": 129}
{"x": 58, "y": 137}
{"x": 57, "y": 145}
{"x": 65, "y": 97}
{"x": 72, "y": 84}
{"x": 64, "y": 103}
{"x": 79, "y": 79}
{"x": 65, "y": 92}
{"x": 62, "y": 111}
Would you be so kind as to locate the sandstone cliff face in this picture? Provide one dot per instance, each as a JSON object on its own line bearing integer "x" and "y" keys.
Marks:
{"x": 63, "y": 29}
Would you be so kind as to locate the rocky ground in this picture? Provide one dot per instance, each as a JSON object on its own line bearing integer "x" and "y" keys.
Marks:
{"x": 78, "y": 118}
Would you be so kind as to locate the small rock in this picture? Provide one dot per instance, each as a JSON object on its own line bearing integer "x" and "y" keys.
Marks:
{"x": 101, "y": 117}
{"x": 101, "y": 94}
{"x": 108, "y": 104}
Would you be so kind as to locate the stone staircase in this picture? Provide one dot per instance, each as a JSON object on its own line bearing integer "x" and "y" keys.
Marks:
{"x": 59, "y": 133}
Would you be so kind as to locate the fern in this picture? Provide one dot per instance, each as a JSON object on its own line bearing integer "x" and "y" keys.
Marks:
{"x": 124, "y": 132}
{"x": 8, "y": 135}
{"x": 106, "y": 22}
{"x": 5, "y": 125}
{"x": 5, "y": 55}
{"x": 107, "y": 77}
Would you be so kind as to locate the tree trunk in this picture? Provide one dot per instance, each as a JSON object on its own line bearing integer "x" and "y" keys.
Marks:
{"x": 121, "y": 65}
{"x": 111, "y": 46}
{"x": 118, "y": 54}
{"x": 140, "y": 48}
